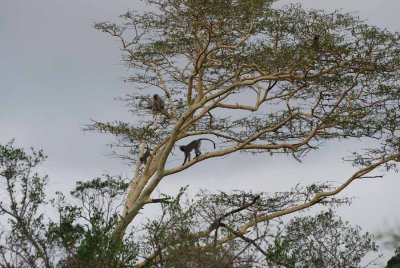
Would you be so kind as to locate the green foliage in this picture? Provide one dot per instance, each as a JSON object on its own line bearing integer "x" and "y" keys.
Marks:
{"x": 84, "y": 230}
{"x": 321, "y": 241}
{"x": 81, "y": 235}
{"x": 27, "y": 242}
{"x": 189, "y": 229}
{"x": 394, "y": 262}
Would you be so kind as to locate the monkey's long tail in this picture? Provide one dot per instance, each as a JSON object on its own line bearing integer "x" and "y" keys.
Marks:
{"x": 209, "y": 140}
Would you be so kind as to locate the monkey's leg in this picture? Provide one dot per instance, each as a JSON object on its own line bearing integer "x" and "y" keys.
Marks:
{"x": 187, "y": 158}
{"x": 197, "y": 152}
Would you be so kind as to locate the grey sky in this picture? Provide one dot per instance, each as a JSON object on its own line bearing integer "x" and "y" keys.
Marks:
{"x": 57, "y": 72}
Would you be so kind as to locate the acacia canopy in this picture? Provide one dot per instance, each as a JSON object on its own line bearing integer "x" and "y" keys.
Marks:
{"x": 257, "y": 78}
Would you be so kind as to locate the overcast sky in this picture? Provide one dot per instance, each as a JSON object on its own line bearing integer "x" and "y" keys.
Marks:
{"x": 57, "y": 72}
